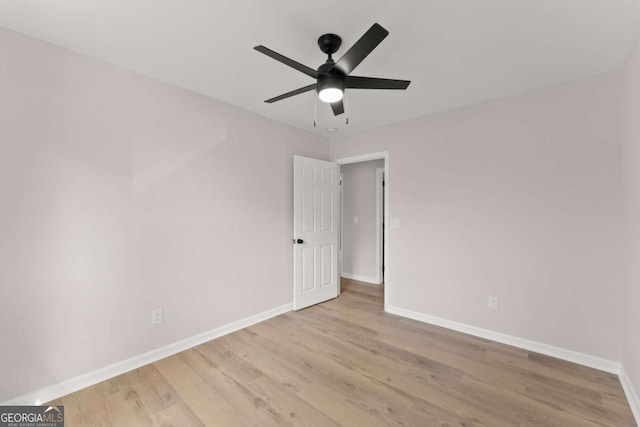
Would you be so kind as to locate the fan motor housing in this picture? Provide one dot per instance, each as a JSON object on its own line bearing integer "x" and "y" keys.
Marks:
{"x": 330, "y": 76}
{"x": 329, "y": 81}
{"x": 329, "y": 43}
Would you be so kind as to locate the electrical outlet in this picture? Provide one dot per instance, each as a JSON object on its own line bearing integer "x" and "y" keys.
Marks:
{"x": 493, "y": 303}
{"x": 156, "y": 316}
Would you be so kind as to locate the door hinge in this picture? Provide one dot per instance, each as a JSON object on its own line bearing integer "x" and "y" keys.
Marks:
{"x": 383, "y": 183}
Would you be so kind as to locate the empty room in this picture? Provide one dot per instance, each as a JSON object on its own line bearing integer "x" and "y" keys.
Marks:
{"x": 294, "y": 213}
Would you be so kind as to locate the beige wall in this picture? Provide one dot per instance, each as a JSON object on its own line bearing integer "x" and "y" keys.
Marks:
{"x": 359, "y": 252}
{"x": 631, "y": 296}
{"x": 121, "y": 194}
{"x": 518, "y": 198}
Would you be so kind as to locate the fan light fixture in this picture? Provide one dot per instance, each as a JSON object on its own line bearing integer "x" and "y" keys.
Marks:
{"x": 331, "y": 89}
{"x": 330, "y": 95}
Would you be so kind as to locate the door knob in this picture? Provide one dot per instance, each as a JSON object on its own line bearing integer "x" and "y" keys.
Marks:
{"x": 298, "y": 241}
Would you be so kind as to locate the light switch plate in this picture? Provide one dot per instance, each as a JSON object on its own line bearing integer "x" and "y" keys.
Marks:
{"x": 395, "y": 223}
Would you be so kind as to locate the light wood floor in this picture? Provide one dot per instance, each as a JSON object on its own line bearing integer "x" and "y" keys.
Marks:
{"x": 347, "y": 363}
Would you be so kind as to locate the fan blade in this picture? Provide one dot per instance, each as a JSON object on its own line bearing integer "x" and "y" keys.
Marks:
{"x": 361, "y": 48}
{"x": 355, "y": 82}
{"x": 287, "y": 61}
{"x": 337, "y": 107}
{"x": 292, "y": 93}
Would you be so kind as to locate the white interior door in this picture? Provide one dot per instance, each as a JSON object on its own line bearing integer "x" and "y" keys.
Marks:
{"x": 315, "y": 231}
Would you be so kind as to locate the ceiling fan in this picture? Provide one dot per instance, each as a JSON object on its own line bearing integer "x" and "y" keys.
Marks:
{"x": 332, "y": 78}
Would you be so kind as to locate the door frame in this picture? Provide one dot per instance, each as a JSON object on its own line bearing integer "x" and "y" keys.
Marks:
{"x": 341, "y": 232}
{"x": 387, "y": 189}
{"x": 379, "y": 221}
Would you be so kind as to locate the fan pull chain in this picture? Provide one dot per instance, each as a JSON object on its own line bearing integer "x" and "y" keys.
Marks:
{"x": 315, "y": 111}
{"x": 346, "y": 107}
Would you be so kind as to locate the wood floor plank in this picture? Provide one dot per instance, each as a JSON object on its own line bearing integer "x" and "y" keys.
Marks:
{"x": 281, "y": 397}
{"x": 323, "y": 395}
{"x": 252, "y": 408}
{"x": 87, "y": 408}
{"x": 348, "y": 363}
{"x": 161, "y": 398}
{"x": 178, "y": 415}
{"x": 125, "y": 408}
{"x": 154, "y": 390}
{"x": 211, "y": 408}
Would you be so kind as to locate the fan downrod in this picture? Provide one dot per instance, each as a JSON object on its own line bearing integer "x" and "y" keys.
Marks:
{"x": 329, "y": 43}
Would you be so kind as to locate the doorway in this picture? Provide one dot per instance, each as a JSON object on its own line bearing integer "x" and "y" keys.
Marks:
{"x": 375, "y": 269}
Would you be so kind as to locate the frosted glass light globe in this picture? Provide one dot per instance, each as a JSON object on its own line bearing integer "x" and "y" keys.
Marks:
{"x": 330, "y": 95}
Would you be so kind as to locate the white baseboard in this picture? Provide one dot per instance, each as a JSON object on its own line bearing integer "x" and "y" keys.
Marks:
{"x": 74, "y": 384}
{"x": 360, "y": 278}
{"x": 630, "y": 392}
{"x": 546, "y": 349}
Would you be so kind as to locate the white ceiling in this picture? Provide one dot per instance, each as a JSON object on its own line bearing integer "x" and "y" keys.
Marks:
{"x": 456, "y": 52}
